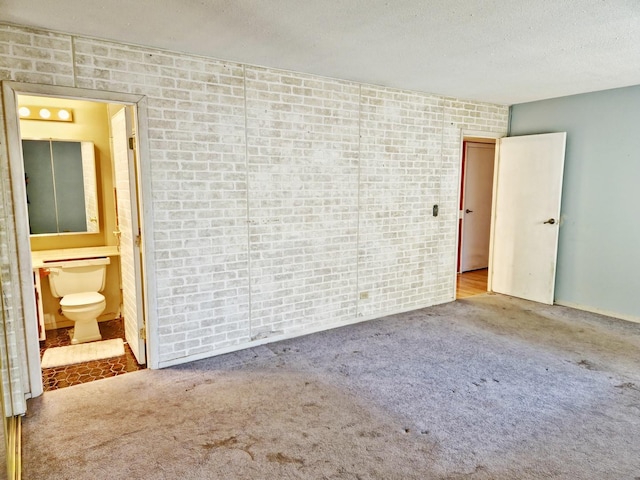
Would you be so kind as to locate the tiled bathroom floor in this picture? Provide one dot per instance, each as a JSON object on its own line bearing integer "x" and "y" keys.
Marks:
{"x": 60, "y": 377}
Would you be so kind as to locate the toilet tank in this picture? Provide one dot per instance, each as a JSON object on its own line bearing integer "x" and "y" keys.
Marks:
{"x": 77, "y": 276}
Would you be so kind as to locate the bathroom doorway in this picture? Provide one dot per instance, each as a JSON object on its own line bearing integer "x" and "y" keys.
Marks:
{"x": 112, "y": 228}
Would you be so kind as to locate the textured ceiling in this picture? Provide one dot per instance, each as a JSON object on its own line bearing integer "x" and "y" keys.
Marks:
{"x": 502, "y": 51}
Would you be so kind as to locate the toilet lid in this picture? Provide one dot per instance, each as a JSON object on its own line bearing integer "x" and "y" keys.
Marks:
{"x": 77, "y": 299}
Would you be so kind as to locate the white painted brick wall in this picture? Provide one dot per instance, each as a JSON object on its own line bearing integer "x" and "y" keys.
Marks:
{"x": 278, "y": 198}
{"x": 198, "y": 167}
{"x": 35, "y": 56}
{"x": 400, "y": 154}
{"x": 302, "y": 136}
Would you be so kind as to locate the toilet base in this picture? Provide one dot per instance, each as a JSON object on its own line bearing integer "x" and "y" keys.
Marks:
{"x": 86, "y": 331}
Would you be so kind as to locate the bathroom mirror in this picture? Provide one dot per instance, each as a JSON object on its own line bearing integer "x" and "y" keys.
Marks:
{"x": 61, "y": 186}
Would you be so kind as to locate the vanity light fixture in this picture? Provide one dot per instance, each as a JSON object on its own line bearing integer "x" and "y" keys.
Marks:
{"x": 52, "y": 114}
{"x": 64, "y": 114}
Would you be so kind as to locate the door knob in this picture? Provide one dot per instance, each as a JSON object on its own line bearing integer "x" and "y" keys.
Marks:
{"x": 551, "y": 221}
{"x": 468, "y": 211}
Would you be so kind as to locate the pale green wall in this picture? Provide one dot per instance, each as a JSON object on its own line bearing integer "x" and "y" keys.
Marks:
{"x": 599, "y": 250}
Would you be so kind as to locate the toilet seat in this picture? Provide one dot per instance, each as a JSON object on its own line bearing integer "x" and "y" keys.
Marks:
{"x": 81, "y": 299}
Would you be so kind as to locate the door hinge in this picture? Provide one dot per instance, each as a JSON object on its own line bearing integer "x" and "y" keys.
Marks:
{"x": 131, "y": 143}
{"x": 138, "y": 240}
{"x": 143, "y": 333}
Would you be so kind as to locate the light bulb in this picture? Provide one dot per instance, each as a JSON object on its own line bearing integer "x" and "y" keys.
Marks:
{"x": 63, "y": 114}
{"x": 44, "y": 113}
{"x": 24, "y": 111}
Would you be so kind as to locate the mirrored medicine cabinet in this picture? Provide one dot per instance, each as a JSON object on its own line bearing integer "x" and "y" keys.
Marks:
{"x": 61, "y": 186}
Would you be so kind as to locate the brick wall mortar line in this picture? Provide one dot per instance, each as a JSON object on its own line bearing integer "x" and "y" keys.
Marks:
{"x": 246, "y": 165}
{"x": 440, "y": 175}
{"x": 73, "y": 61}
{"x": 358, "y": 200}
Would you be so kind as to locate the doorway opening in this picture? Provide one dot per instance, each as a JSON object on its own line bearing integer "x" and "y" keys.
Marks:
{"x": 474, "y": 219}
{"x": 525, "y": 213}
{"x": 77, "y": 200}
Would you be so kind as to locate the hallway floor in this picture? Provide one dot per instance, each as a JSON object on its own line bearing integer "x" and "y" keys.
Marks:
{"x": 65, "y": 376}
{"x": 469, "y": 284}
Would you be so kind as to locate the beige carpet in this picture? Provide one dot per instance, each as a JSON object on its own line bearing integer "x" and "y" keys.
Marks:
{"x": 83, "y": 352}
{"x": 488, "y": 388}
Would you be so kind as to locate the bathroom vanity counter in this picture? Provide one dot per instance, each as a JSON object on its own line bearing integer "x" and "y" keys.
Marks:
{"x": 41, "y": 258}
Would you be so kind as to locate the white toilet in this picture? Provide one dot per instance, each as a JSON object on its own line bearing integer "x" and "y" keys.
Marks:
{"x": 77, "y": 283}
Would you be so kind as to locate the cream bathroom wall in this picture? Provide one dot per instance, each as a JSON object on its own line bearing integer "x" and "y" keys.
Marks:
{"x": 90, "y": 123}
{"x": 283, "y": 203}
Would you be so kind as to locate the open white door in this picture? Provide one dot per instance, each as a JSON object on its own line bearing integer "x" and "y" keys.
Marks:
{"x": 528, "y": 190}
{"x": 129, "y": 233}
{"x": 476, "y": 209}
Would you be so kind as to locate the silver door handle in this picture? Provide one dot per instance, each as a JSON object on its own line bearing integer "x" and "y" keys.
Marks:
{"x": 551, "y": 221}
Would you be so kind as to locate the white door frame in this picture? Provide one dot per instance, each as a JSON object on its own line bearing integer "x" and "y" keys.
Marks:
{"x": 131, "y": 301}
{"x": 470, "y": 135}
{"x": 10, "y": 90}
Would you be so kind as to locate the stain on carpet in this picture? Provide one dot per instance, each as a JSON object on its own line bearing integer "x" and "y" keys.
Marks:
{"x": 587, "y": 364}
{"x": 281, "y": 458}
{"x": 230, "y": 443}
{"x": 628, "y": 385}
{"x": 480, "y": 472}
{"x": 227, "y": 442}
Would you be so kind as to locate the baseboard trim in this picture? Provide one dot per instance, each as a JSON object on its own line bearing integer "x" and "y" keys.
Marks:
{"x": 293, "y": 334}
{"x": 621, "y": 316}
